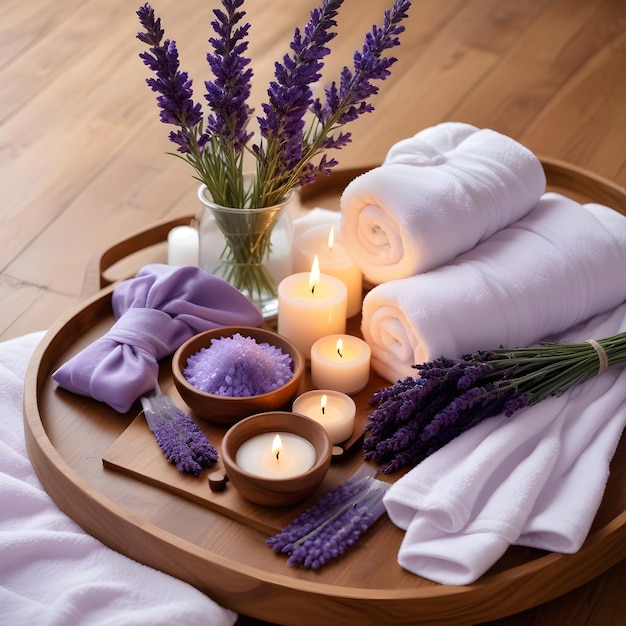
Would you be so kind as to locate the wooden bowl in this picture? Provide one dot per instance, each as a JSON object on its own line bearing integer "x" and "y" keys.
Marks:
{"x": 229, "y": 409}
{"x": 276, "y": 491}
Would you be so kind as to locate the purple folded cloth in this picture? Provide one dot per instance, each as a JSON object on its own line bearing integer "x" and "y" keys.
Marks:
{"x": 156, "y": 312}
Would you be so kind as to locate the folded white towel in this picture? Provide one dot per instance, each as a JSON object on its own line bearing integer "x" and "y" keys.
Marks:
{"x": 557, "y": 266}
{"x": 53, "y": 573}
{"x": 437, "y": 195}
{"x": 536, "y": 478}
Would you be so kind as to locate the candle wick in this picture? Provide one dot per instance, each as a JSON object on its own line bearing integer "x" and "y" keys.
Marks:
{"x": 277, "y": 455}
{"x": 323, "y": 410}
{"x": 312, "y": 288}
{"x": 339, "y": 353}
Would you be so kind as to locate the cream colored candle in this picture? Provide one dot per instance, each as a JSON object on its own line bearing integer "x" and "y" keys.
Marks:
{"x": 311, "y": 305}
{"x": 334, "y": 260}
{"x": 334, "y": 410}
{"x": 276, "y": 455}
{"x": 340, "y": 362}
{"x": 182, "y": 246}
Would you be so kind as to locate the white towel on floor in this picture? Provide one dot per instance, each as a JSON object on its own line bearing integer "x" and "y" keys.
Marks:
{"x": 437, "y": 195}
{"x": 534, "y": 479}
{"x": 559, "y": 265}
{"x": 52, "y": 573}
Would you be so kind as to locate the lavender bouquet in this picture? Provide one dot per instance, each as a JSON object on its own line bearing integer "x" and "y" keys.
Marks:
{"x": 296, "y": 129}
{"x": 415, "y": 417}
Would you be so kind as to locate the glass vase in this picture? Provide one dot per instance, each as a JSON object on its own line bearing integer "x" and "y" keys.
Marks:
{"x": 249, "y": 248}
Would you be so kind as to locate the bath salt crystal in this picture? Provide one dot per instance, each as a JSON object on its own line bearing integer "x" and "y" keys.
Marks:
{"x": 238, "y": 366}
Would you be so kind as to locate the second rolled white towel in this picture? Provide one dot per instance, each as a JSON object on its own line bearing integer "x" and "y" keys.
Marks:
{"x": 558, "y": 266}
{"x": 437, "y": 195}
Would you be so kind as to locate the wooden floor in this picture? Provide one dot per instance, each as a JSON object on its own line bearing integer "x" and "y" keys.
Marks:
{"x": 82, "y": 160}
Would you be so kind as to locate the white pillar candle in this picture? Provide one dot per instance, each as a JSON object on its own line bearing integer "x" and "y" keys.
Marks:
{"x": 276, "y": 455}
{"x": 340, "y": 362}
{"x": 334, "y": 260}
{"x": 311, "y": 305}
{"x": 335, "y": 411}
{"x": 182, "y": 246}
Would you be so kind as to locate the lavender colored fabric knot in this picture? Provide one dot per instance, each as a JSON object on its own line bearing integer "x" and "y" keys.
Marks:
{"x": 156, "y": 312}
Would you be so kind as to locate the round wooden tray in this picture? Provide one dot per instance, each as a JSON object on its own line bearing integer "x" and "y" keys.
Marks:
{"x": 67, "y": 437}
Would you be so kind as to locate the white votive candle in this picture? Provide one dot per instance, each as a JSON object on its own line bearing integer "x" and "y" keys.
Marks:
{"x": 276, "y": 455}
{"x": 335, "y": 411}
{"x": 340, "y": 362}
{"x": 182, "y": 246}
{"x": 310, "y": 305}
{"x": 334, "y": 260}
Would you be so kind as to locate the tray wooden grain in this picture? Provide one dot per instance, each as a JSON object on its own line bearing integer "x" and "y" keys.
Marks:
{"x": 67, "y": 436}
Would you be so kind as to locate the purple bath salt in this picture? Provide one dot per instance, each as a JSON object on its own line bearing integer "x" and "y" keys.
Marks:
{"x": 238, "y": 366}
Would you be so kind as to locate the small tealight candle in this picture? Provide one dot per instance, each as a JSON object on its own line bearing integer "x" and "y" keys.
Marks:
{"x": 311, "y": 305}
{"x": 276, "y": 455}
{"x": 182, "y": 246}
{"x": 334, "y": 260}
{"x": 335, "y": 411}
{"x": 340, "y": 362}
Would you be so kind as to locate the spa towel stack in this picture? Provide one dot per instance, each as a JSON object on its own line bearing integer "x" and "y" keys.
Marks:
{"x": 436, "y": 195}
{"x": 559, "y": 265}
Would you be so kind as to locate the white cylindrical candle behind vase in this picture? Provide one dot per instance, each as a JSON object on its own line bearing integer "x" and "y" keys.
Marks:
{"x": 182, "y": 246}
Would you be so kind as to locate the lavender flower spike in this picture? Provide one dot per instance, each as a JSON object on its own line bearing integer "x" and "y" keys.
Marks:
{"x": 290, "y": 94}
{"x": 227, "y": 95}
{"x": 174, "y": 86}
{"x": 349, "y": 101}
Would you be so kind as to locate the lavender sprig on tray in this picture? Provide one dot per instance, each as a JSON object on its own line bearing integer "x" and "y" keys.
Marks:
{"x": 417, "y": 416}
{"x": 335, "y": 522}
{"x": 179, "y": 437}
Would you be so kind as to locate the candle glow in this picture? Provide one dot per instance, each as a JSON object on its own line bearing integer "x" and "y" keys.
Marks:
{"x": 310, "y": 308}
{"x": 333, "y": 259}
{"x": 340, "y": 362}
{"x": 277, "y": 447}
{"x": 335, "y": 411}
{"x": 276, "y": 455}
{"x": 314, "y": 277}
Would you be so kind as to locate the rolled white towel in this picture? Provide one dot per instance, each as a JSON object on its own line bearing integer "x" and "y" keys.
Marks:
{"x": 436, "y": 196}
{"x": 559, "y": 265}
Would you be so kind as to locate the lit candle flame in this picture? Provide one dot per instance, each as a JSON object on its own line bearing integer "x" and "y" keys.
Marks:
{"x": 314, "y": 277}
{"x": 323, "y": 402}
{"x": 277, "y": 447}
{"x": 331, "y": 237}
{"x": 340, "y": 348}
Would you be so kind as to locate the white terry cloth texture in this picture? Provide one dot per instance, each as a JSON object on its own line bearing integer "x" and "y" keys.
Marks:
{"x": 557, "y": 266}
{"x": 436, "y": 195}
{"x": 52, "y": 573}
{"x": 533, "y": 479}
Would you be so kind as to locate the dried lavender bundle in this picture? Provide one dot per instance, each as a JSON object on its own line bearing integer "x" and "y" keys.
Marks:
{"x": 416, "y": 416}
{"x": 179, "y": 437}
{"x": 335, "y": 522}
